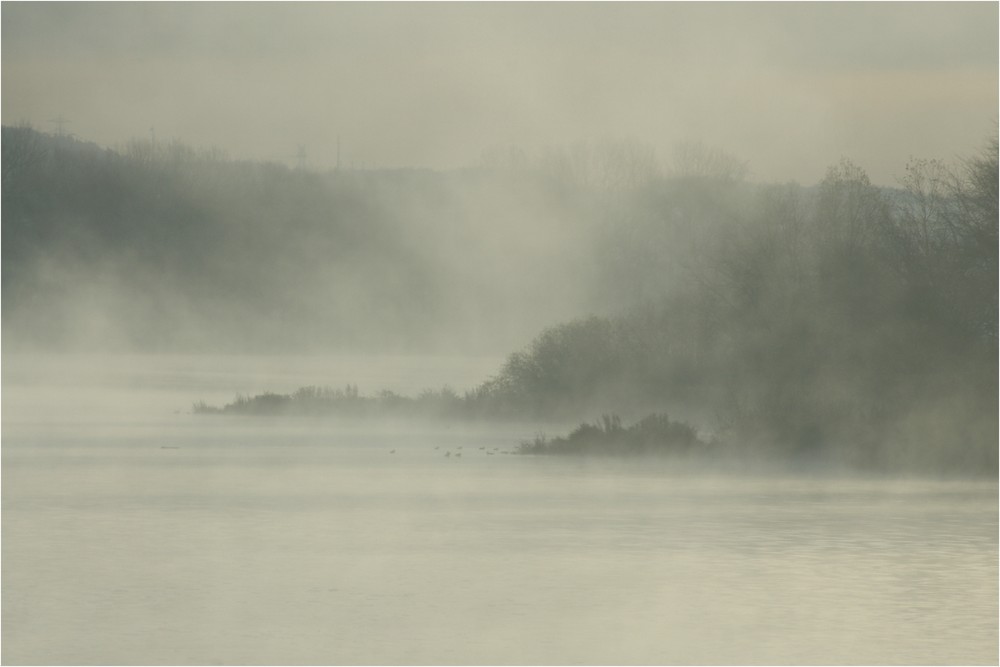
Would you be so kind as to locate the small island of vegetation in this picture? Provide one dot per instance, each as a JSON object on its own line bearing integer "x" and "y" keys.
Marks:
{"x": 655, "y": 434}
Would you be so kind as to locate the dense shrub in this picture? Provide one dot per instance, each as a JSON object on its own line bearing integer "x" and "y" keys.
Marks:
{"x": 654, "y": 434}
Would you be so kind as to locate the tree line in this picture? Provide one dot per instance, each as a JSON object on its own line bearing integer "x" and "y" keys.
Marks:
{"x": 161, "y": 246}
{"x": 841, "y": 319}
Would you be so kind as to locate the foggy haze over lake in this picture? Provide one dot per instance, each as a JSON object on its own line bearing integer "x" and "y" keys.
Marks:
{"x": 499, "y": 333}
{"x": 134, "y": 535}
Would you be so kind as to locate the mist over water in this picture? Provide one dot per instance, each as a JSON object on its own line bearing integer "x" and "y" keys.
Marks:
{"x": 474, "y": 333}
{"x": 134, "y": 534}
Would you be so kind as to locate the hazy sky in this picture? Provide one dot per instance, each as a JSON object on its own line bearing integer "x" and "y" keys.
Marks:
{"x": 791, "y": 87}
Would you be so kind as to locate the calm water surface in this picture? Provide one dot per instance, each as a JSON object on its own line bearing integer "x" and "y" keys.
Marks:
{"x": 136, "y": 533}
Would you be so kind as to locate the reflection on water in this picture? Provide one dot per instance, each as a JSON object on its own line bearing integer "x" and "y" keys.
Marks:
{"x": 154, "y": 537}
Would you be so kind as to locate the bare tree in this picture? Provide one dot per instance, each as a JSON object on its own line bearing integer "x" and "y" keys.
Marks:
{"x": 695, "y": 159}
{"x": 850, "y": 210}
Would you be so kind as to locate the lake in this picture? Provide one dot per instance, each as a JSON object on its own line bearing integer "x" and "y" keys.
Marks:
{"x": 137, "y": 533}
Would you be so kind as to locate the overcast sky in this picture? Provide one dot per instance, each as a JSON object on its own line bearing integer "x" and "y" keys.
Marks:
{"x": 790, "y": 87}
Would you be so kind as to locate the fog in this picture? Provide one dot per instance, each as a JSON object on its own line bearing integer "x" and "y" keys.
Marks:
{"x": 135, "y": 532}
{"x": 791, "y": 87}
{"x": 468, "y": 333}
{"x": 432, "y": 177}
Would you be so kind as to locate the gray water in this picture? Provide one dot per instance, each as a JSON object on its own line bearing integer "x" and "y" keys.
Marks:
{"x": 137, "y": 533}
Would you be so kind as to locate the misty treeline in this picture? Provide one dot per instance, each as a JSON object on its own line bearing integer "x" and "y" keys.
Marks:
{"x": 840, "y": 320}
{"x": 349, "y": 402}
{"x": 163, "y": 247}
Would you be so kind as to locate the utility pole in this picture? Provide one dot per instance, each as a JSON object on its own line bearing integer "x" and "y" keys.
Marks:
{"x": 59, "y": 122}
